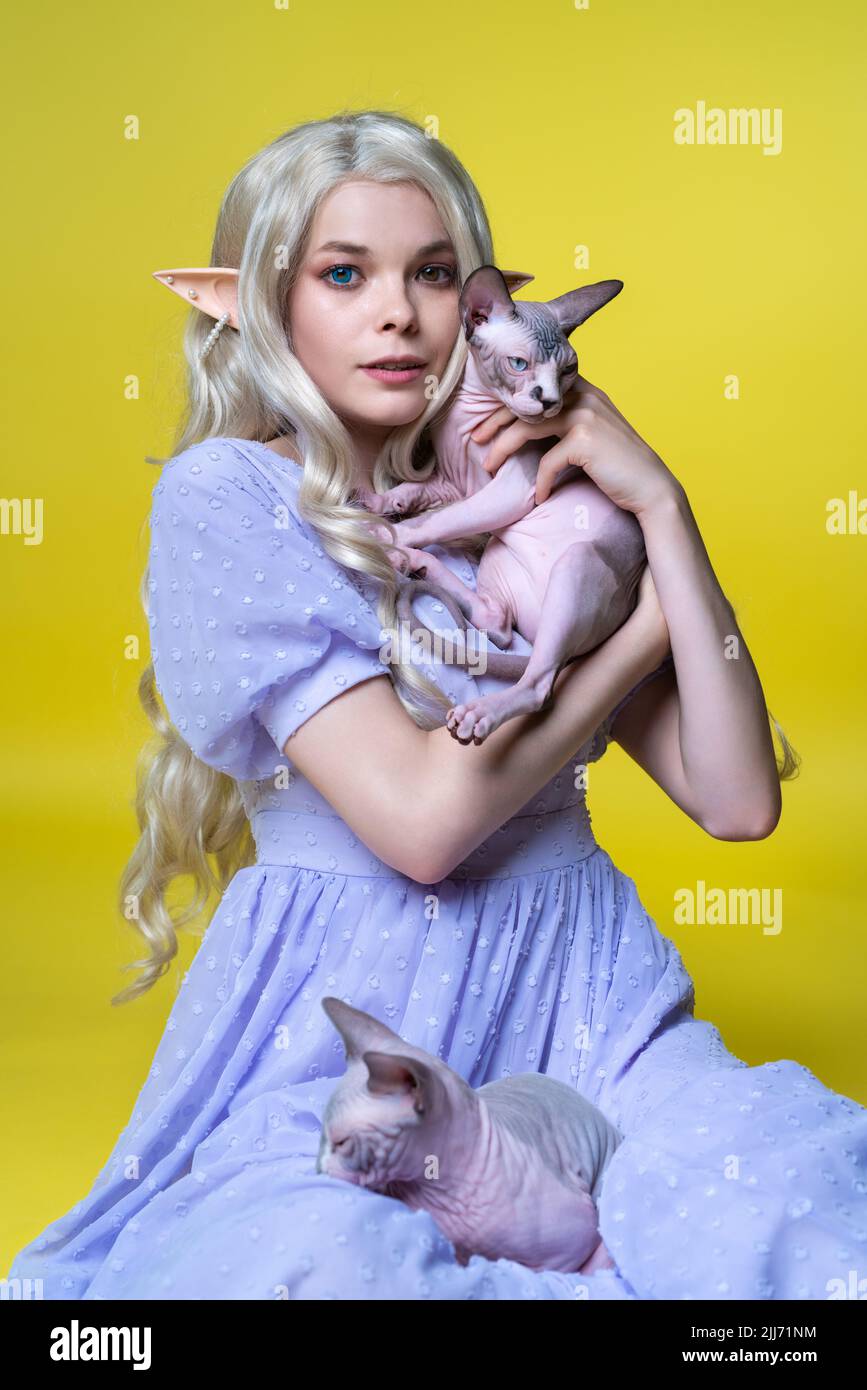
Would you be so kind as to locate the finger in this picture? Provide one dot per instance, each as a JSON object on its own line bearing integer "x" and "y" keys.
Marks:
{"x": 508, "y": 443}
{"x": 511, "y": 440}
{"x": 488, "y": 428}
{"x": 550, "y": 465}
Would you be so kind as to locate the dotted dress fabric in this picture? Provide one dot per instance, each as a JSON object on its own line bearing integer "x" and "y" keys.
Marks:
{"x": 535, "y": 954}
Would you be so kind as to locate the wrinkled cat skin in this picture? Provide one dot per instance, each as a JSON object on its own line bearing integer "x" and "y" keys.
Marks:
{"x": 510, "y": 1171}
{"x": 564, "y": 573}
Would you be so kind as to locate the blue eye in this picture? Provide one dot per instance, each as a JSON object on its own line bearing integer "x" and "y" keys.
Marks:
{"x": 339, "y": 269}
{"x": 518, "y": 364}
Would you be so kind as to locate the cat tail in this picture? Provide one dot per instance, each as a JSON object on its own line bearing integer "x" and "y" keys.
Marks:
{"x": 506, "y": 665}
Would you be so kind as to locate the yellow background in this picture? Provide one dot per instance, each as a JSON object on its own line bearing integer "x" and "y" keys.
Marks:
{"x": 733, "y": 262}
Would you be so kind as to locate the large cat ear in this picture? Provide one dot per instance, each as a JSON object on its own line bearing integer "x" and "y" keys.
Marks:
{"x": 213, "y": 289}
{"x": 516, "y": 279}
{"x": 397, "y": 1074}
{"x": 576, "y": 306}
{"x": 484, "y": 295}
{"x": 357, "y": 1029}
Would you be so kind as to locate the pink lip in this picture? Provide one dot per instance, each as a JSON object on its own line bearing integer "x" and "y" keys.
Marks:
{"x": 395, "y": 375}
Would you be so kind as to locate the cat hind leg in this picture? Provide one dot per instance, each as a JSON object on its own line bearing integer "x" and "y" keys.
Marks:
{"x": 486, "y": 612}
{"x": 580, "y": 608}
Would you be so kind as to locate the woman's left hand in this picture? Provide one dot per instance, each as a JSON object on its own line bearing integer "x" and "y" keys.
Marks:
{"x": 593, "y": 436}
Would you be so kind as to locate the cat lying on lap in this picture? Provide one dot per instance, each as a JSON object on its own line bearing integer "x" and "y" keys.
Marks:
{"x": 509, "y": 1171}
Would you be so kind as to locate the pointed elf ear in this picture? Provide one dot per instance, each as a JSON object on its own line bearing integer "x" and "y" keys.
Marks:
{"x": 516, "y": 279}
{"x": 213, "y": 289}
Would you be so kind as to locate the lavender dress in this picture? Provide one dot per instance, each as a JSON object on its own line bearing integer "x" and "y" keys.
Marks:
{"x": 731, "y": 1182}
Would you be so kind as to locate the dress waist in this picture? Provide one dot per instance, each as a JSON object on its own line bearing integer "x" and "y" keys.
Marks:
{"x": 525, "y": 844}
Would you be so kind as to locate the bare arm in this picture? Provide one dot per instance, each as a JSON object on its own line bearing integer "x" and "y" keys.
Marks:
{"x": 704, "y": 737}
{"x": 421, "y": 801}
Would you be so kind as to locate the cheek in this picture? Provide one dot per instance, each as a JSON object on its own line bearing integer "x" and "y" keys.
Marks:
{"x": 449, "y": 316}
{"x": 314, "y": 342}
{"x": 439, "y": 327}
{"x": 324, "y": 330}
{"x": 443, "y": 328}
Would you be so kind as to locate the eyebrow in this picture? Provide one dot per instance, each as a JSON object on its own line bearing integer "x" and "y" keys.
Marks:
{"x": 352, "y": 249}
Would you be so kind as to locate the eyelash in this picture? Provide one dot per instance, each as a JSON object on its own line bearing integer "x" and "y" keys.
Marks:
{"x": 451, "y": 275}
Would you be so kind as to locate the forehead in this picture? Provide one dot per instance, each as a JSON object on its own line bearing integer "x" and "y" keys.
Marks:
{"x": 536, "y": 329}
{"x": 380, "y": 217}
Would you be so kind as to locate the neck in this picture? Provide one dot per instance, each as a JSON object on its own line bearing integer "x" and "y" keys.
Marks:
{"x": 475, "y": 391}
{"x": 475, "y": 1158}
{"x": 366, "y": 447}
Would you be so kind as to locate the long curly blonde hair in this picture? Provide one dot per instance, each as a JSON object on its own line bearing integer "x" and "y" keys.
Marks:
{"x": 252, "y": 386}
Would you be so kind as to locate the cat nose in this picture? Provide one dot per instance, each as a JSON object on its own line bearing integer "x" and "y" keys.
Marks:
{"x": 544, "y": 401}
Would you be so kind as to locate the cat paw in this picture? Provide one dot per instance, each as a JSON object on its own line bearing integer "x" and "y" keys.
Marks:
{"x": 380, "y": 532}
{"x": 407, "y": 560}
{"x": 417, "y": 562}
{"x": 381, "y": 503}
{"x": 477, "y": 719}
{"x": 470, "y": 723}
{"x": 375, "y": 502}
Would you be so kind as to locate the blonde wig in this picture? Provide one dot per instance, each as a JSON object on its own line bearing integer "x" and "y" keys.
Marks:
{"x": 250, "y": 385}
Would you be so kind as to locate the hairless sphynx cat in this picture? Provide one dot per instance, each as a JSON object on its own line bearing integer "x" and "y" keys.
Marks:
{"x": 518, "y": 1165}
{"x": 564, "y": 573}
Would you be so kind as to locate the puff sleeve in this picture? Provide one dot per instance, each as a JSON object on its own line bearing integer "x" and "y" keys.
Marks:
{"x": 253, "y": 627}
{"x": 606, "y": 726}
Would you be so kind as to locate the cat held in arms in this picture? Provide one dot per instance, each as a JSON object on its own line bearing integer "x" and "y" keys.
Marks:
{"x": 512, "y": 1170}
{"x": 564, "y": 573}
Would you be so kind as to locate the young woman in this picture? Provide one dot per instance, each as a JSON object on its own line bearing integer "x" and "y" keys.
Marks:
{"x": 456, "y": 892}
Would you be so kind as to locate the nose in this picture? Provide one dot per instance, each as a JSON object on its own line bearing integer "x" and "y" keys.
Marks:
{"x": 397, "y": 309}
{"x": 545, "y": 401}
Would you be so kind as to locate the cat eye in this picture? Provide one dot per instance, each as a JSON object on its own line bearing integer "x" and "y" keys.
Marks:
{"x": 518, "y": 364}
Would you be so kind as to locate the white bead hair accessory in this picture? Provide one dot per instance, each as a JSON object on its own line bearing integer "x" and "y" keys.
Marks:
{"x": 214, "y": 334}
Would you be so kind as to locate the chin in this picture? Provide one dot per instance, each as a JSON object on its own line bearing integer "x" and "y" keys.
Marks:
{"x": 398, "y": 413}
